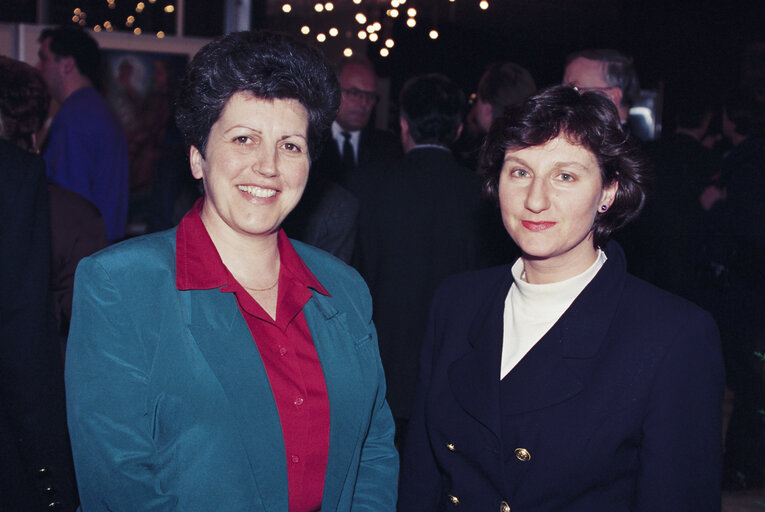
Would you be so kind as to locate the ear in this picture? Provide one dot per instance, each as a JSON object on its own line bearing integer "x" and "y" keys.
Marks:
{"x": 616, "y": 95}
{"x": 404, "y": 126}
{"x": 196, "y": 160}
{"x": 67, "y": 64}
{"x": 608, "y": 196}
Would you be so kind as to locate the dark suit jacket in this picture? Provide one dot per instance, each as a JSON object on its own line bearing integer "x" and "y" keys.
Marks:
{"x": 375, "y": 147}
{"x": 617, "y": 407}
{"x": 34, "y": 447}
{"x": 418, "y": 224}
{"x": 77, "y": 230}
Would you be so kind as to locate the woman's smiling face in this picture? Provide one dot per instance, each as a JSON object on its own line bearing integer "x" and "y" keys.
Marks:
{"x": 549, "y": 196}
{"x": 256, "y": 164}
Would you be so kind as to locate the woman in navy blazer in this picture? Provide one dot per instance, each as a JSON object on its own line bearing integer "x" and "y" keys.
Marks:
{"x": 218, "y": 366}
{"x": 563, "y": 383}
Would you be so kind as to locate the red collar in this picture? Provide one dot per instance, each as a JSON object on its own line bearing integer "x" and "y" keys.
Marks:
{"x": 199, "y": 267}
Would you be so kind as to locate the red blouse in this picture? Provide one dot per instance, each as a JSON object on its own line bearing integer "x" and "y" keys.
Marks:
{"x": 285, "y": 346}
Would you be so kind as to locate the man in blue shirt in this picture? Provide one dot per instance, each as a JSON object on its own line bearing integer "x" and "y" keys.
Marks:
{"x": 86, "y": 150}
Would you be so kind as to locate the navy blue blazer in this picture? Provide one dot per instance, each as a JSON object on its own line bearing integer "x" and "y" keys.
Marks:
{"x": 616, "y": 408}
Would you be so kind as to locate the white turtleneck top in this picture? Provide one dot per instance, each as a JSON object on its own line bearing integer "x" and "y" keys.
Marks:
{"x": 531, "y": 309}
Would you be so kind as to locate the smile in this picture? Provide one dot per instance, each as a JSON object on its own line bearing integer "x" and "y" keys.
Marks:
{"x": 537, "y": 226}
{"x": 257, "y": 191}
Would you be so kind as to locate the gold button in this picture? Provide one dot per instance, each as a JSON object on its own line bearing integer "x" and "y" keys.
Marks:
{"x": 522, "y": 454}
{"x": 450, "y": 447}
{"x": 454, "y": 499}
{"x": 504, "y": 507}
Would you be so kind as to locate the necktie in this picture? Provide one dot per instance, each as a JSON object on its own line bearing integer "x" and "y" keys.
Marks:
{"x": 349, "y": 161}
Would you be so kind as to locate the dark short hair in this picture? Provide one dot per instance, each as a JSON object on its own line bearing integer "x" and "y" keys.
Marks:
{"x": 505, "y": 83}
{"x": 266, "y": 64}
{"x": 24, "y": 102}
{"x": 433, "y": 106}
{"x": 619, "y": 71}
{"x": 74, "y": 42}
{"x": 589, "y": 120}
{"x": 744, "y": 111}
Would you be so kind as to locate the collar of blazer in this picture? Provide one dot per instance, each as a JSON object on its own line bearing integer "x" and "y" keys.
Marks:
{"x": 542, "y": 378}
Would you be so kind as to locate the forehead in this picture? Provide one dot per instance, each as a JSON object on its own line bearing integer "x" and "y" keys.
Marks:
{"x": 558, "y": 149}
{"x": 245, "y": 107}
{"x": 361, "y": 77}
{"x": 585, "y": 73}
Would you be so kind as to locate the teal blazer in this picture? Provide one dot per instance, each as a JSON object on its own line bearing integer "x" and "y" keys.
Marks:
{"x": 169, "y": 405}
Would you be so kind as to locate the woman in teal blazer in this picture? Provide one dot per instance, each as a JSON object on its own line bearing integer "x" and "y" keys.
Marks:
{"x": 171, "y": 404}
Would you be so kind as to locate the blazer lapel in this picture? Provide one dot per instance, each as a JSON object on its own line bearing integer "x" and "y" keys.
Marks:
{"x": 224, "y": 339}
{"x": 474, "y": 377}
{"x": 541, "y": 379}
{"x": 336, "y": 350}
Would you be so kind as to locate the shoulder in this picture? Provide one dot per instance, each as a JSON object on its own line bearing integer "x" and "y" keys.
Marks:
{"x": 135, "y": 260}
{"x": 646, "y": 300}
{"x": 333, "y": 274}
{"x": 471, "y": 290}
{"x": 18, "y": 164}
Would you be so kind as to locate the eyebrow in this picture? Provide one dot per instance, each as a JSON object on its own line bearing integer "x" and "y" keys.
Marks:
{"x": 511, "y": 158}
{"x": 256, "y": 130}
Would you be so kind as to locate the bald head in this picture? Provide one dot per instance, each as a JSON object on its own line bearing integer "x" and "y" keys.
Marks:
{"x": 358, "y": 83}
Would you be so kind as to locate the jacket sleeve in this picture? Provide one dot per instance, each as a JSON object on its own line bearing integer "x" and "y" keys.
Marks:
{"x": 420, "y": 483}
{"x": 109, "y": 421}
{"x": 681, "y": 450}
{"x": 378, "y": 469}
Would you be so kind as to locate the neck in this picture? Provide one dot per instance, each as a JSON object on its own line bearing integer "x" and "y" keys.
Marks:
{"x": 72, "y": 85}
{"x": 252, "y": 260}
{"x": 554, "y": 270}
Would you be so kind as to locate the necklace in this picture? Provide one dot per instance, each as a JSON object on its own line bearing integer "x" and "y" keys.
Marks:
{"x": 263, "y": 289}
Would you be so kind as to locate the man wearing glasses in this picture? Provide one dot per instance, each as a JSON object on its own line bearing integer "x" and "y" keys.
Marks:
{"x": 608, "y": 71}
{"x": 355, "y": 143}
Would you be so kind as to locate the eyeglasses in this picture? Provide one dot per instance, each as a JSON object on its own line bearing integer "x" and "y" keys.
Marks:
{"x": 580, "y": 90}
{"x": 358, "y": 95}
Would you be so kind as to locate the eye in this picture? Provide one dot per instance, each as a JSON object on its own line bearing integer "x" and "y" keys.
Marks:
{"x": 292, "y": 147}
{"x": 519, "y": 173}
{"x": 242, "y": 140}
{"x": 564, "y": 176}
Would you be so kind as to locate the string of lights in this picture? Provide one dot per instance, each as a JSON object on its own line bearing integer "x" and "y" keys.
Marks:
{"x": 366, "y": 20}
{"x": 149, "y": 16}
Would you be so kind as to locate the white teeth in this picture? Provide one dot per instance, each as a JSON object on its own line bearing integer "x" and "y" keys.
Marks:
{"x": 257, "y": 191}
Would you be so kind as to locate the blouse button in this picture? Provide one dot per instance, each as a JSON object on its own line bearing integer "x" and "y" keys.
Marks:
{"x": 522, "y": 454}
{"x": 295, "y": 459}
{"x": 299, "y": 401}
{"x": 282, "y": 351}
{"x": 454, "y": 499}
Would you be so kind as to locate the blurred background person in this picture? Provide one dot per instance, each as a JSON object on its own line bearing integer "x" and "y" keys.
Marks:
{"x": 218, "y": 365}
{"x": 36, "y": 471}
{"x": 76, "y": 226}
{"x": 419, "y": 223}
{"x": 562, "y": 382}
{"x": 735, "y": 207}
{"x": 607, "y": 71}
{"x": 86, "y": 150}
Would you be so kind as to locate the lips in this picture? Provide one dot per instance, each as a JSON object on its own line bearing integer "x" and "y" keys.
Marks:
{"x": 255, "y": 191}
{"x": 537, "y": 226}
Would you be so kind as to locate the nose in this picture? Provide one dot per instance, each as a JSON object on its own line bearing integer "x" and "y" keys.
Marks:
{"x": 537, "y": 196}
{"x": 266, "y": 161}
